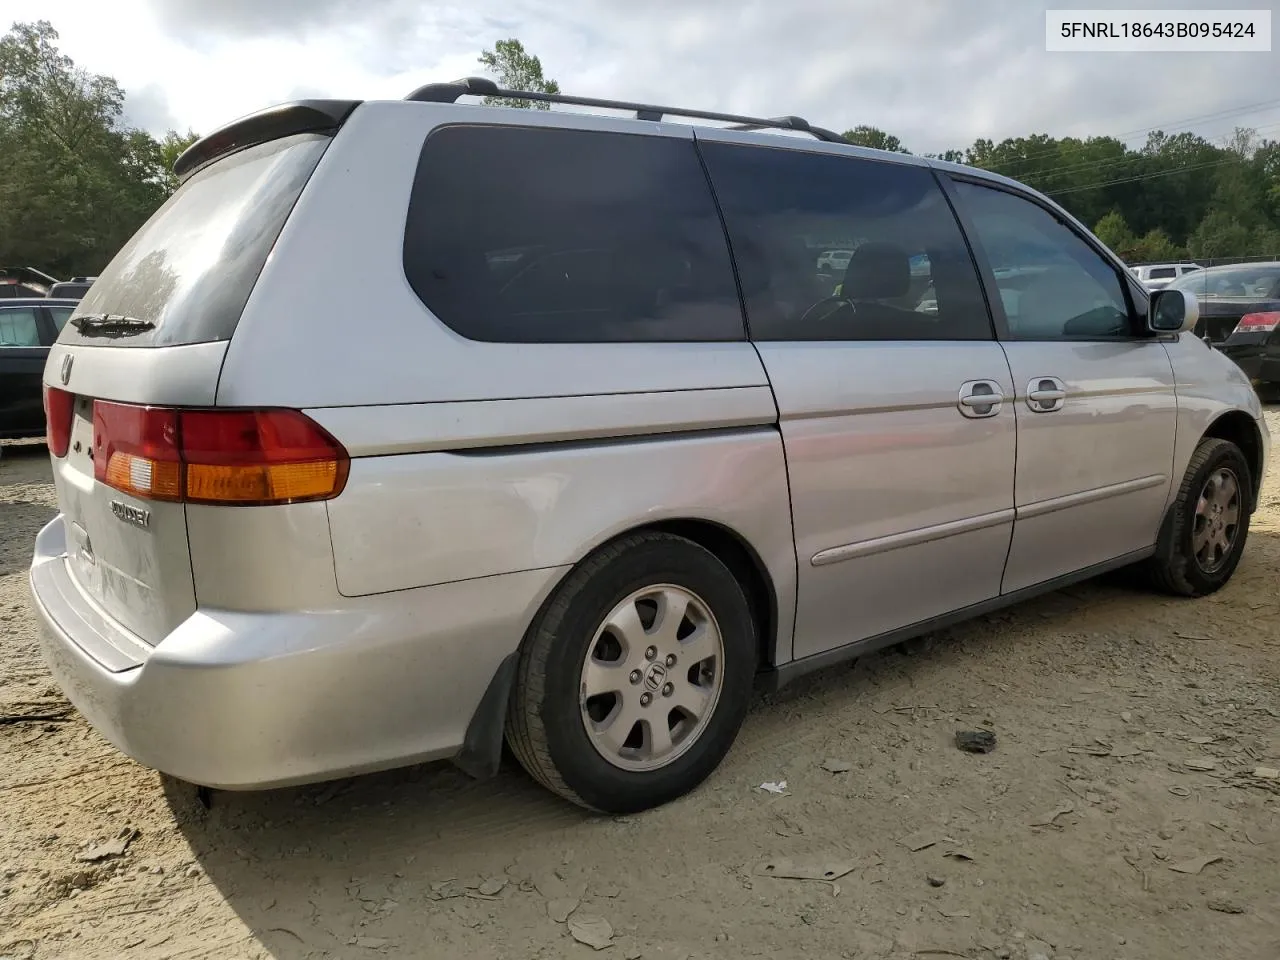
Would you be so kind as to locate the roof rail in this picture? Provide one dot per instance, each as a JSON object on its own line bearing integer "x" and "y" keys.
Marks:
{"x": 484, "y": 87}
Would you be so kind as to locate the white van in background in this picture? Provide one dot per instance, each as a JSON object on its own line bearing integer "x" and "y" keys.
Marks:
{"x": 1153, "y": 276}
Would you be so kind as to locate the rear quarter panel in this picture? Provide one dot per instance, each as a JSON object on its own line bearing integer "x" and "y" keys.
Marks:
{"x": 475, "y": 511}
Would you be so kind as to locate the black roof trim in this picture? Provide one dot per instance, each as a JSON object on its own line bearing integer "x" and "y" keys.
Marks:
{"x": 484, "y": 87}
{"x": 282, "y": 120}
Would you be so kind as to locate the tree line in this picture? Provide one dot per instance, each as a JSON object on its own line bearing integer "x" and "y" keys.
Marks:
{"x": 76, "y": 180}
{"x": 1176, "y": 196}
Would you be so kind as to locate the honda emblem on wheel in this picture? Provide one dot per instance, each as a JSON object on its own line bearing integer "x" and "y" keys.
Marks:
{"x": 656, "y": 676}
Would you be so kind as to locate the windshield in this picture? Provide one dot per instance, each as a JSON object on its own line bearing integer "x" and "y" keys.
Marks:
{"x": 1255, "y": 281}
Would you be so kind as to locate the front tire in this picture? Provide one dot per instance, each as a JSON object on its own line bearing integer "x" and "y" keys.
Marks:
{"x": 1208, "y": 525}
{"x": 634, "y": 679}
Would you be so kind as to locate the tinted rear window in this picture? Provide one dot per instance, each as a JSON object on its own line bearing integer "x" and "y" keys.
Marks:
{"x": 534, "y": 235}
{"x": 191, "y": 267}
{"x": 60, "y": 316}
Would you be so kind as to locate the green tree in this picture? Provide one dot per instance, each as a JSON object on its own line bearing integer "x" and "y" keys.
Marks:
{"x": 76, "y": 182}
{"x": 1179, "y": 173}
{"x": 1267, "y": 161}
{"x": 1155, "y": 245}
{"x": 1175, "y": 191}
{"x": 1115, "y": 233}
{"x": 1220, "y": 235}
{"x": 875, "y": 139}
{"x": 170, "y": 148}
{"x": 517, "y": 69}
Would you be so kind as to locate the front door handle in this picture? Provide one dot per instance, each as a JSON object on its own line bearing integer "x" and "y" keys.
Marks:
{"x": 1046, "y": 394}
{"x": 980, "y": 398}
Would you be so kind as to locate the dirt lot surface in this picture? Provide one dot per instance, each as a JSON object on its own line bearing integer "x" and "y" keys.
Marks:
{"x": 1118, "y": 817}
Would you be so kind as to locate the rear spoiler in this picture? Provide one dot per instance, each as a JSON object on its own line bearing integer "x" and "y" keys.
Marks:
{"x": 283, "y": 120}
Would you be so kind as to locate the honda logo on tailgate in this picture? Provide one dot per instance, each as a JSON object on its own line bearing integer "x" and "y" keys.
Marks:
{"x": 67, "y": 360}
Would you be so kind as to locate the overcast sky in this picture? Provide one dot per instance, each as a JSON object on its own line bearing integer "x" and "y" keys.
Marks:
{"x": 937, "y": 73}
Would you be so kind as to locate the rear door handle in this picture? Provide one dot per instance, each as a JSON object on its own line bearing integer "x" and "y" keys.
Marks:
{"x": 1046, "y": 394}
{"x": 980, "y": 398}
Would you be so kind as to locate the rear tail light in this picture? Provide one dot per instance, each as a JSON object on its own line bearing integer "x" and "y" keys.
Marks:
{"x": 230, "y": 457}
{"x": 136, "y": 451}
{"x": 58, "y": 408}
{"x": 1258, "y": 323}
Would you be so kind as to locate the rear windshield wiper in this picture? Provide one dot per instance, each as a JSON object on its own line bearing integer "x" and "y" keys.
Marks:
{"x": 108, "y": 323}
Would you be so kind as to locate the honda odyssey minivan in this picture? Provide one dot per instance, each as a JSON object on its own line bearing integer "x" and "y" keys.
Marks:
{"x": 595, "y": 450}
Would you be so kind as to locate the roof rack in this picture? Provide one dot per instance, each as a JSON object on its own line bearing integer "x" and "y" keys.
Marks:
{"x": 484, "y": 87}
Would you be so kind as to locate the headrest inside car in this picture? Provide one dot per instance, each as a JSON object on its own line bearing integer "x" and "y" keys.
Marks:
{"x": 877, "y": 271}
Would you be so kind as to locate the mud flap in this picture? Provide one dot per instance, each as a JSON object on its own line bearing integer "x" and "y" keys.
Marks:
{"x": 1164, "y": 541}
{"x": 481, "y": 753}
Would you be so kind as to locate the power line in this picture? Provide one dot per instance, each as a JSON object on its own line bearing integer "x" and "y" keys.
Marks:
{"x": 1168, "y": 128}
{"x": 1042, "y": 176}
{"x": 1172, "y": 127}
{"x": 1247, "y": 108}
{"x": 1146, "y": 176}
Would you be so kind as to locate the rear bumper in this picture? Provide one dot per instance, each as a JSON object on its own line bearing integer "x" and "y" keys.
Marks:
{"x": 1259, "y": 359}
{"x": 241, "y": 700}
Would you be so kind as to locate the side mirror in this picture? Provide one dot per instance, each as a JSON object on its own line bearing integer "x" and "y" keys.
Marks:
{"x": 1172, "y": 311}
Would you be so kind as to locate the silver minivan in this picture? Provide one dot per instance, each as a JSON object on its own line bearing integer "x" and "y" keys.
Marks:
{"x": 404, "y": 428}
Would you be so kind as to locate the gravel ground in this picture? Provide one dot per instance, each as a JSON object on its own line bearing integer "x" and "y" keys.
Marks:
{"x": 1118, "y": 817}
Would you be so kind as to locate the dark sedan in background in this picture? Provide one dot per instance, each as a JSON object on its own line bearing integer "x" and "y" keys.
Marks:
{"x": 28, "y": 327}
{"x": 1240, "y": 314}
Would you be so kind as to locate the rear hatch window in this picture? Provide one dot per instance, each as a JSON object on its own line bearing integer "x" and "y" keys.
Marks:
{"x": 185, "y": 275}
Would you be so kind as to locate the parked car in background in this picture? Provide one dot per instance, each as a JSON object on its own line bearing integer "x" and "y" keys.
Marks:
{"x": 586, "y": 497}
{"x": 1154, "y": 276}
{"x": 17, "y": 282}
{"x": 72, "y": 289}
{"x": 28, "y": 327}
{"x": 834, "y": 261}
{"x": 1240, "y": 314}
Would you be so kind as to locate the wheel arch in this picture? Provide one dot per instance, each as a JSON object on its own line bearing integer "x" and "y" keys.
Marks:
{"x": 1242, "y": 429}
{"x": 747, "y": 567}
{"x": 735, "y": 551}
{"x": 480, "y": 754}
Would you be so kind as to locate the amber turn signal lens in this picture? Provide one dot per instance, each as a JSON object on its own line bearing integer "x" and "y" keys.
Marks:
{"x": 264, "y": 483}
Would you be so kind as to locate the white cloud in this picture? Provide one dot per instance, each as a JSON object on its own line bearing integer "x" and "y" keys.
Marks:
{"x": 147, "y": 108}
{"x": 936, "y": 73}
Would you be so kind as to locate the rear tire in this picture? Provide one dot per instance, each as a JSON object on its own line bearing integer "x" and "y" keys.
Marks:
{"x": 1208, "y": 524}
{"x": 634, "y": 679}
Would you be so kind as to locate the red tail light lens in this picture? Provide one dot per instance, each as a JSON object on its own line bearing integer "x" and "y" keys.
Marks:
{"x": 135, "y": 450}
{"x": 259, "y": 456}
{"x": 234, "y": 457}
{"x": 1258, "y": 323}
{"x": 58, "y": 408}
